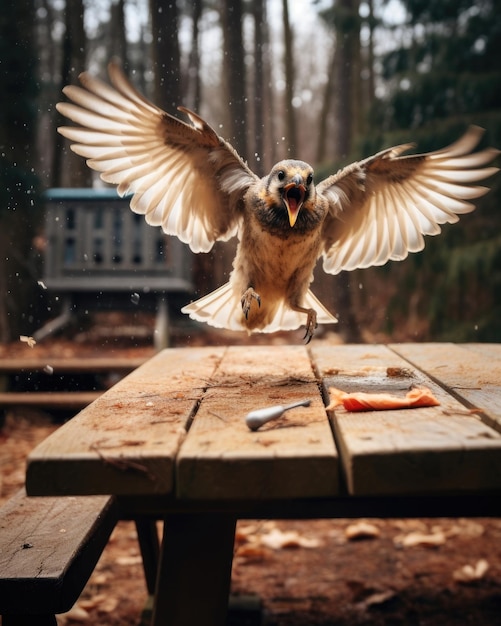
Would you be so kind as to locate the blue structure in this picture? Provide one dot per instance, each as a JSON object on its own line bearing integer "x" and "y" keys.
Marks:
{"x": 100, "y": 254}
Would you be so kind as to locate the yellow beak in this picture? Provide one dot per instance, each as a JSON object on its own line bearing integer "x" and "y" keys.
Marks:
{"x": 293, "y": 196}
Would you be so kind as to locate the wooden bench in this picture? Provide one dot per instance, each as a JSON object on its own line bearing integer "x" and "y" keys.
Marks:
{"x": 48, "y": 550}
{"x": 21, "y": 379}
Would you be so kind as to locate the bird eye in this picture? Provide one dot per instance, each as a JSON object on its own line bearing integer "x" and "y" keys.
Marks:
{"x": 281, "y": 175}
{"x": 309, "y": 180}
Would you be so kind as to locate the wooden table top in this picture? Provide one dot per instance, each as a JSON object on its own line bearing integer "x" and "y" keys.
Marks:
{"x": 175, "y": 426}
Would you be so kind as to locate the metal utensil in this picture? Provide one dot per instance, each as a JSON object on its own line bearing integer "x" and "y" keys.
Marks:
{"x": 257, "y": 418}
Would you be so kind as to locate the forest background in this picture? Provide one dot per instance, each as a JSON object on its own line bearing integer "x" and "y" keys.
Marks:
{"x": 326, "y": 81}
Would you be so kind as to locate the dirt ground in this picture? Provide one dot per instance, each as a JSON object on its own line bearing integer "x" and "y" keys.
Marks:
{"x": 443, "y": 572}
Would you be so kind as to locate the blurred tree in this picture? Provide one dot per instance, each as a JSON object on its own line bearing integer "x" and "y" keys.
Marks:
{"x": 194, "y": 81}
{"x": 444, "y": 76}
{"x": 68, "y": 169}
{"x": 19, "y": 215}
{"x": 343, "y": 91}
{"x": 118, "y": 39}
{"x": 258, "y": 14}
{"x": 234, "y": 74}
{"x": 166, "y": 55}
{"x": 290, "y": 117}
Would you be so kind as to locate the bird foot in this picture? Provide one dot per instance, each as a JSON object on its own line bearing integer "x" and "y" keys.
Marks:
{"x": 246, "y": 300}
{"x": 311, "y": 325}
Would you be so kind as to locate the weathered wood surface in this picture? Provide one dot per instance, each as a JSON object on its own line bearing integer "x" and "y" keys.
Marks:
{"x": 126, "y": 441}
{"x": 64, "y": 400}
{"x": 177, "y": 426}
{"x": 425, "y": 450}
{"x": 48, "y": 549}
{"x": 68, "y": 400}
{"x": 292, "y": 457}
{"x": 471, "y": 372}
{"x": 70, "y": 365}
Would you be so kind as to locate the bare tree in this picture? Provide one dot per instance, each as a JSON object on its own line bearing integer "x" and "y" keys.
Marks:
{"x": 70, "y": 170}
{"x": 166, "y": 55}
{"x": 290, "y": 129}
{"x": 347, "y": 72}
{"x": 259, "y": 86}
{"x": 234, "y": 73}
{"x": 19, "y": 216}
{"x": 118, "y": 40}
{"x": 325, "y": 112}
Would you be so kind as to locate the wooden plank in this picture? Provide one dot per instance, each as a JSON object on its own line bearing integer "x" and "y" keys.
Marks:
{"x": 412, "y": 451}
{"x": 50, "y": 399}
{"x": 294, "y": 457}
{"x": 471, "y": 372}
{"x": 195, "y": 570}
{"x": 48, "y": 549}
{"x": 71, "y": 365}
{"x": 135, "y": 428}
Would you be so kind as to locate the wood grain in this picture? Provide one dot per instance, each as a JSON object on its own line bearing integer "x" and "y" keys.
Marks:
{"x": 410, "y": 451}
{"x": 125, "y": 443}
{"x": 48, "y": 549}
{"x": 292, "y": 457}
{"x": 471, "y": 372}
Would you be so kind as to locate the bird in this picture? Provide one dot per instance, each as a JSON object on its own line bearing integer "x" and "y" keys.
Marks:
{"x": 185, "y": 178}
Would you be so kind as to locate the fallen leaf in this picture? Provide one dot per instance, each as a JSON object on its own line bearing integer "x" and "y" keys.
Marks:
{"x": 252, "y": 552}
{"x": 427, "y": 540}
{"x": 278, "y": 539}
{"x": 128, "y": 560}
{"x": 77, "y": 614}
{"x": 376, "y": 599}
{"x": 471, "y": 573}
{"x": 361, "y": 530}
{"x": 29, "y": 340}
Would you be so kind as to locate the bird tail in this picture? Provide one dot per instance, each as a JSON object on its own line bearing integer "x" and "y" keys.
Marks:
{"x": 222, "y": 309}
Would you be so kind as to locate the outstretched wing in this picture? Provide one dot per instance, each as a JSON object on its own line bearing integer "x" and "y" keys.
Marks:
{"x": 380, "y": 208}
{"x": 184, "y": 178}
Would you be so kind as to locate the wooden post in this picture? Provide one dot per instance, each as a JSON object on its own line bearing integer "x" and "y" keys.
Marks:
{"x": 194, "y": 576}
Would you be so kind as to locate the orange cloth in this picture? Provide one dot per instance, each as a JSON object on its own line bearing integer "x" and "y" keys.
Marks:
{"x": 360, "y": 401}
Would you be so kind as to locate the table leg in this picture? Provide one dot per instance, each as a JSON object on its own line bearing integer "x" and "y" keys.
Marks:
{"x": 150, "y": 549}
{"x": 194, "y": 576}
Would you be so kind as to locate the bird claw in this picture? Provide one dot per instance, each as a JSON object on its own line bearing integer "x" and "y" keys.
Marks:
{"x": 311, "y": 325}
{"x": 246, "y": 301}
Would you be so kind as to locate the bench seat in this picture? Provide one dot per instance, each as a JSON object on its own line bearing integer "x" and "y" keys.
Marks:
{"x": 48, "y": 550}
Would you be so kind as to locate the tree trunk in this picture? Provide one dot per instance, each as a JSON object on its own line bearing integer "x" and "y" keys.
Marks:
{"x": 70, "y": 170}
{"x": 118, "y": 41}
{"x": 235, "y": 75}
{"x": 259, "y": 89}
{"x": 348, "y": 46}
{"x": 290, "y": 131}
{"x": 194, "y": 96}
{"x": 19, "y": 205}
{"x": 166, "y": 55}
{"x": 323, "y": 130}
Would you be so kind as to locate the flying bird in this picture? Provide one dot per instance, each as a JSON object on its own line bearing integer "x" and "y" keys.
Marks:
{"x": 191, "y": 182}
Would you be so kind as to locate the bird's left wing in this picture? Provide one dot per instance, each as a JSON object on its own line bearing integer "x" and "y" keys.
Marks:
{"x": 183, "y": 178}
{"x": 380, "y": 208}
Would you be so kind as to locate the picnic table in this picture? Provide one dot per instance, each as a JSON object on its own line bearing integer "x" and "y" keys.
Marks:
{"x": 170, "y": 441}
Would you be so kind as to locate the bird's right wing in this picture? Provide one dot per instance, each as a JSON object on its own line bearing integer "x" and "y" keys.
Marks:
{"x": 183, "y": 178}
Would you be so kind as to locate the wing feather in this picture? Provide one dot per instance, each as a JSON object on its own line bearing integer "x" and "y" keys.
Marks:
{"x": 182, "y": 177}
{"x": 380, "y": 208}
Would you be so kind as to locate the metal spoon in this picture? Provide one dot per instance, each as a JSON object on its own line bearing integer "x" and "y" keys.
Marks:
{"x": 257, "y": 418}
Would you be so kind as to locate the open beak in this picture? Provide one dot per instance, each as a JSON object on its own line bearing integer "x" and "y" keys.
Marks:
{"x": 293, "y": 196}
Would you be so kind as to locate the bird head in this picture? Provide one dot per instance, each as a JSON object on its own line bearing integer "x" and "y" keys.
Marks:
{"x": 290, "y": 184}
